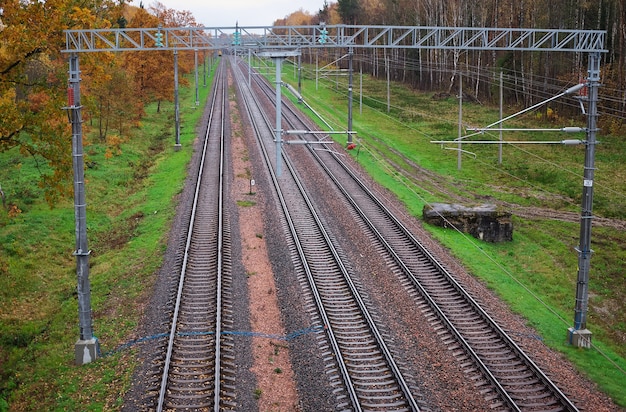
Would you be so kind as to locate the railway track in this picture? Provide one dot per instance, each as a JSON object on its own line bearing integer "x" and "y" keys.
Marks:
{"x": 196, "y": 374}
{"x": 364, "y": 369}
{"x": 506, "y": 376}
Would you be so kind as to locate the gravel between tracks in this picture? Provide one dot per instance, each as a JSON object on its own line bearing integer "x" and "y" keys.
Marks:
{"x": 443, "y": 384}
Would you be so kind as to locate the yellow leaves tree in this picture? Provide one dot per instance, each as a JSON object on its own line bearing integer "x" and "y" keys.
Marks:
{"x": 299, "y": 18}
{"x": 29, "y": 82}
{"x": 328, "y": 14}
{"x": 33, "y": 82}
{"x": 114, "y": 87}
{"x": 152, "y": 71}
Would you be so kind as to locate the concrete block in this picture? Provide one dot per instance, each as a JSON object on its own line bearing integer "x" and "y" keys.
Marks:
{"x": 485, "y": 222}
{"x": 580, "y": 338}
{"x": 86, "y": 351}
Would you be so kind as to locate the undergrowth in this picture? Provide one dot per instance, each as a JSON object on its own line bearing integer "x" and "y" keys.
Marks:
{"x": 131, "y": 196}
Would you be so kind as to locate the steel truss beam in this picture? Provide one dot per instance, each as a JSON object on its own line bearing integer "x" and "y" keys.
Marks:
{"x": 295, "y": 37}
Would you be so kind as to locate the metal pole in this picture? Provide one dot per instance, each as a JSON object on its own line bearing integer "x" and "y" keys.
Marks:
{"x": 459, "y": 153}
{"x": 196, "y": 65}
{"x": 176, "y": 105}
{"x": 316, "y": 67}
{"x": 361, "y": 90}
{"x": 300, "y": 77}
{"x": 204, "y": 67}
{"x": 279, "y": 130}
{"x": 350, "y": 54}
{"x": 249, "y": 67}
{"x": 209, "y": 59}
{"x": 388, "y": 84}
{"x": 500, "y": 124}
{"x": 579, "y": 335}
{"x": 86, "y": 348}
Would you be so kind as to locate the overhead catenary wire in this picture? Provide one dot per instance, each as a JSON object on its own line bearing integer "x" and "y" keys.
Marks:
{"x": 516, "y": 278}
{"x": 513, "y": 145}
{"x": 535, "y": 86}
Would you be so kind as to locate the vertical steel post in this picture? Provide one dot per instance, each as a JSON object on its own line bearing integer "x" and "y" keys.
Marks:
{"x": 316, "y": 68}
{"x": 300, "y": 77}
{"x": 460, "y": 145}
{"x": 501, "y": 113}
{"x": 350, "y": 55}
{"x": 579, "y": 335}
{"x": 388, "y": 83}
{"x": 176, "y": 105}
{"x": 277, "y": 58}
{"x": 279, "y": 130}
{"x": 86, "y": 348}
{"x": 204, "y": 67}
{"x": 195, "y": 54}
{"x": 361, "y": 89}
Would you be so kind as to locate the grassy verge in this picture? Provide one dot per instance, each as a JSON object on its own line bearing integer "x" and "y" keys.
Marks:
{"x": 536, "y": 273}
{"x": 131, "y": 199}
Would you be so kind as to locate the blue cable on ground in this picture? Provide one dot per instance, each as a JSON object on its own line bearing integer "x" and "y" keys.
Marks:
{"x": 288, "y": 337}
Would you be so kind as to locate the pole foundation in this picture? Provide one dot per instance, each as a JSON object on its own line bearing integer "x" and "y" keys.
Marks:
{"x": 86, "y": 351}
{"x": 580, "y": 338}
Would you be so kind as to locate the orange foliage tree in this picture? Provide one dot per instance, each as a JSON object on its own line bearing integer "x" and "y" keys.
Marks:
{"x": 114, "y": 87}
{"x": 153, "y": 71}
{"x": 33, "y": 82}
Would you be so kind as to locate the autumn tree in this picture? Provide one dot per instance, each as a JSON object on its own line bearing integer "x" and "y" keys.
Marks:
{"x": 177, "y": 18}
{"x": 33, "y": 82}
{"x": 114, "y": 87}
{"x": 298, "y": 18}
{"x": 27, "y": 73}
{"x": 153, "y": 71}
{"x": 108, "y": 94}
{"x": 329, "y": 14}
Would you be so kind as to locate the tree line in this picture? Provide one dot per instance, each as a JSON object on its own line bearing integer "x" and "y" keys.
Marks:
{"x": 529, "y": 77}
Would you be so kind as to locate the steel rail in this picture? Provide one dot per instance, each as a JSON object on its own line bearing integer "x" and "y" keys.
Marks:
{"x": 249, "y": 102}
{"x": 449, "y": 278}
{"x": 402, "y": 385}
{"x": 567, "y": 404}
{"x": 506, "y": 396}
{"x": 188, "y": 246}
{"x": 365, "y": 312}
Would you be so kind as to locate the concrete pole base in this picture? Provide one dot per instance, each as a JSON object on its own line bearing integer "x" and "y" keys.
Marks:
{"x": 177, "y": 147}
{"x": 86, "y": 351}
{"x": 580, "y": 338}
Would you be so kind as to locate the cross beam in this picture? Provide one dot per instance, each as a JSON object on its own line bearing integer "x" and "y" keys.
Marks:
{"x": 295, "y": 37}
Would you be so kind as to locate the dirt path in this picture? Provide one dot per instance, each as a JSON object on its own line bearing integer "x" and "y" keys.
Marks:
{"x": 276, "y": 388}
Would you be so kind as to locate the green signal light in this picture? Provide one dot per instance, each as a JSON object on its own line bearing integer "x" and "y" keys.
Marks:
{"x": 323, "y": 35}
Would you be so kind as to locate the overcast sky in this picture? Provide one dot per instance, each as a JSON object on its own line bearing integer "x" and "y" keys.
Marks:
{"x": 225, "y": 13}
